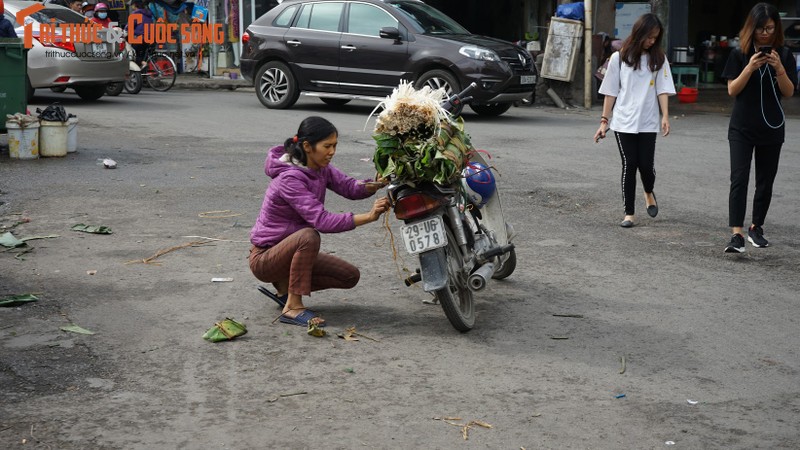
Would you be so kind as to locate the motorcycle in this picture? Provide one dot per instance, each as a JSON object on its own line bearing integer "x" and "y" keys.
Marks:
{"x": 458, "y": 232}
{"x": 134, "y": 81}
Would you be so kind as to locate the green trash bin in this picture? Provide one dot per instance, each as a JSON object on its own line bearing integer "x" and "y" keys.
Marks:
{"x": 13, "y": 71}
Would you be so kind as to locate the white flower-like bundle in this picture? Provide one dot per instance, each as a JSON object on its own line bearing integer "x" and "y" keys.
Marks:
{"x": 411, "y": 112}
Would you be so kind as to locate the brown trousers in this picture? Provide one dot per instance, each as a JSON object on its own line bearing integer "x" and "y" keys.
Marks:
{"x": 298, "y": 260}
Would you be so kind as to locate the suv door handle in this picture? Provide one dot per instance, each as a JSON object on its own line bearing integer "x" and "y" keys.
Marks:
{"x": 295, "y": 43}
{"x": 349, "y": 47}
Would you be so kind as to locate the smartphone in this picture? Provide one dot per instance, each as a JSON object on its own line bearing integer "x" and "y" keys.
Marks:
{"x": 766, "y": 50}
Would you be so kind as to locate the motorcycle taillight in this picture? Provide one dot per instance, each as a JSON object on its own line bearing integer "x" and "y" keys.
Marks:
{"x": 415, "y": 205}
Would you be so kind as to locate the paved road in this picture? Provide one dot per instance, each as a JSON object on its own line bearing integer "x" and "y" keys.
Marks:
{"x": 691, "y": 323}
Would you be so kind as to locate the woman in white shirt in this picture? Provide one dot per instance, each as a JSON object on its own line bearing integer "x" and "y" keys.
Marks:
{"x": 636, "y": 86}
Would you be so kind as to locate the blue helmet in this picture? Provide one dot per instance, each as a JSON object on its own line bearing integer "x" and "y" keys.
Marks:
{"x": 478, "y": 182}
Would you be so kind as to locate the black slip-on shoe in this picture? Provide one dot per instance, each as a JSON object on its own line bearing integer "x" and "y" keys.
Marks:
{"x": 652, "y": 210}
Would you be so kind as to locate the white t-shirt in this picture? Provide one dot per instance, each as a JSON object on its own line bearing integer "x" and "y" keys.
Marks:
{"x": 636, "y": 109}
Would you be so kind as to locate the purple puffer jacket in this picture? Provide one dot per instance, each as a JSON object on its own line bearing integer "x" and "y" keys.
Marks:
{"x": 295, "y": 199}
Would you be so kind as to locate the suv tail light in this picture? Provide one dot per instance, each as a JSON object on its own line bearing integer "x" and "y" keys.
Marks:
{"x": 415, "y": 205}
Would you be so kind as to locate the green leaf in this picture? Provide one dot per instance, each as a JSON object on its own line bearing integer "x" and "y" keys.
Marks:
{"x": 76, "y": 329}
{"x": 8, "y": 240}
{"x": 15, "y": 300}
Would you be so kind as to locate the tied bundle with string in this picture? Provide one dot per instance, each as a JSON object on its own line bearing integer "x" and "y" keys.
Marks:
{"x": 416, "y": 139}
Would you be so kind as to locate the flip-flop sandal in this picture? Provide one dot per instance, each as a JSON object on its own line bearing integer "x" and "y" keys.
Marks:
{"x": 301, "y": 319}
{"x": 279, "y": 299}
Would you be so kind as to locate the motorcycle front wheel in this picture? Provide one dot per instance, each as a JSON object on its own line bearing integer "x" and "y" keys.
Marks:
{"x": 134, "y": 82}
{"x": 456, "y": 297}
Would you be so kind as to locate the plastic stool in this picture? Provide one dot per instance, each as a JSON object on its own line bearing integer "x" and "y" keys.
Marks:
{"x": 681, "y": 73}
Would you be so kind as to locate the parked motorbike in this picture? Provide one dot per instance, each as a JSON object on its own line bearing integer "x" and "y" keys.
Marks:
{"x": 457, "y": 231}
{"x": 133, "y": 81}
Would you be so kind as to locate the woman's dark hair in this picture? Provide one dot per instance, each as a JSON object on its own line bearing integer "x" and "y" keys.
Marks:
{"x": 633, "y": 47}
{"x": 758, "y": 18}
{"x": 312, "y": 130}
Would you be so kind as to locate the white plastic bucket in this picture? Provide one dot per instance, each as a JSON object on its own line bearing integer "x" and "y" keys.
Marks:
{"x": 72, "y": 135}
{"x": 23, "y": 143}
{"x": 53, "y": 138}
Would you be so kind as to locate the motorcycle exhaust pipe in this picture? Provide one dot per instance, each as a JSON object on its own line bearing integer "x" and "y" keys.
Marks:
{"x": 477, "y": 281}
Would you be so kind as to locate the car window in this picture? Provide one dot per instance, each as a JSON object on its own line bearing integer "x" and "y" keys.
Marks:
{"x": 61, "y": 15}
{"x": 368, "y": 20}
{"x": 284, "y": 19}
{"x": 427, "y": 19}
{"x": 320, "y": 16}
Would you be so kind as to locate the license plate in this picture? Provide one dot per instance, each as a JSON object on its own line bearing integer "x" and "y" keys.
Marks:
{"x": 527, "y": 79}
{"x": 99, "y": 50}
{"x": 424, "y": 235}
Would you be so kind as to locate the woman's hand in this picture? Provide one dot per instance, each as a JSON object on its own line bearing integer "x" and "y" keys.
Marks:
{"x": 601, "y": 132}
{"x": 665, "y": 126}
{"x": 757, "y": 60}
{"x": 373, "y": 186}
{"x": 735, "y": 87}
{"x": 380, "y": 206}
{"x": 774, "y": 60}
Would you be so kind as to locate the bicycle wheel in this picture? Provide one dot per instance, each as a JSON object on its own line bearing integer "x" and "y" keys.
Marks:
{"x": 161, "y": 72}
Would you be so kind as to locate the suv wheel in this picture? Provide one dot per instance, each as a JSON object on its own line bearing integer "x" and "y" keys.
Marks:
{"x": 439, "y": 79}
{"x": 276, "y": 87}
{"x": 90, "y": 93}
{"x": 335, "y": 101}
{"x": 492, "y": 109}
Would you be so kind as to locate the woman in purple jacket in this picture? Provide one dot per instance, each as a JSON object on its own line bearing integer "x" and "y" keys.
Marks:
{"x": 286, "y": 237}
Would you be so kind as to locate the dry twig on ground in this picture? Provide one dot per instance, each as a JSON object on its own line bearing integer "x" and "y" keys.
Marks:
{"x": 151, "y": 259}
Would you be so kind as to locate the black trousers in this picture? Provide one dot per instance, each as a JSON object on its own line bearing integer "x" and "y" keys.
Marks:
{"x": 767, "y": 157}
{"x": 637, "y": 151}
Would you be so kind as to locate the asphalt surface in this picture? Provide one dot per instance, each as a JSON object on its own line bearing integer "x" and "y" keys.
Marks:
{"x": 603, "y": 337}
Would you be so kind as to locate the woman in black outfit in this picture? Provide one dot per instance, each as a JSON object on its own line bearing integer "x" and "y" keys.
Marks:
{"x": 760, "y": 72}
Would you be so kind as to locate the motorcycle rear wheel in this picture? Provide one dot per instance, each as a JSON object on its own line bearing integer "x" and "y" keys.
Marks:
{"x": 456, "y": 297}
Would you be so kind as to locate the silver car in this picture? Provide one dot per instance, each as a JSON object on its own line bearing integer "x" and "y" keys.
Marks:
{"x": 86, "y": 68}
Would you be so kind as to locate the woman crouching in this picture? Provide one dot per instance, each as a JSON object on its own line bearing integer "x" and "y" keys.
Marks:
{"x": 286, "y": 238}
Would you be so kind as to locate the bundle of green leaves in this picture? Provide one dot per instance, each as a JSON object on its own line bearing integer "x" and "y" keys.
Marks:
{"x": 417, "y": 140}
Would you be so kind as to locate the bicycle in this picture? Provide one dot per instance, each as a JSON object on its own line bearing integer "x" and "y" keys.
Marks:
{"x": 159, "y": 70}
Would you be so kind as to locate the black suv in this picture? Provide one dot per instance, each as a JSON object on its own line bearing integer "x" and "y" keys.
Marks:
{"x": 341, "y": 50}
